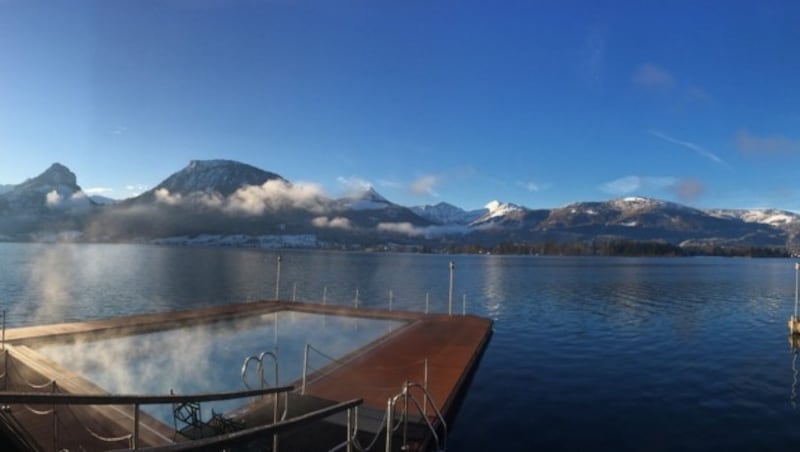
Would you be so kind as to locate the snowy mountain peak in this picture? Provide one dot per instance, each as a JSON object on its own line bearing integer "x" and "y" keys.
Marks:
{"x": 57, "y": 176}
{"x": 773, "y": 217}
{"x": 445, "y": 214}
{"x": 221, "y": 176}
{"x": 498, "y": 209}
{"x": 636, "y": 202}
{"x": 368, "y": 199}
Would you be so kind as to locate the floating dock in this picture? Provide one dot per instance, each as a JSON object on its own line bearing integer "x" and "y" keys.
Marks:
{"x": 409, "y": 382}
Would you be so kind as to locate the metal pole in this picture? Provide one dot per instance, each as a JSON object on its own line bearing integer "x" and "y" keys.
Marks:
{"x": 294, "y": 292}
{"x": 356, "y": 300}
{"x": 349, "y": 427}
{"x": 3, "y": 342}
{"x": 450, "y": 297}
{"x": 427, "y": 302}
{"x": 325, "y": 295}
{"x": 278, "y": 279}
{"x": 390, "y": 299}
{"x": 425, "y": 382}
{"x": 305, "y": 370}
{"x": 389, "y": 422}
{"x": 136, "y": 426}
{"x": 464, "y": 305}
{"x": 796, "y": 288}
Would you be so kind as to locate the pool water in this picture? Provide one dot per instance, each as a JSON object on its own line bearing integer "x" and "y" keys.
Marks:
{"x": 208, "y": 358}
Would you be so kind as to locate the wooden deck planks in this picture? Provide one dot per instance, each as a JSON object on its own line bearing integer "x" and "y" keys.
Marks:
{"x": 450, "y": 344}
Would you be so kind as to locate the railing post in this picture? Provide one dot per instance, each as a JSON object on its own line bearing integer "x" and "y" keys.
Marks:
{"x": 427, "y": 302}
{"x": 796, "y": 290}
{"x": 278, "y": 279}
{"x": 356, "y": 299}
{"x": 425, "y": 382}
{"x": 389, "y": 422}
{"x": 55, "y": 419}
{"x": 464, "y": 305}
{"x": 391, "y": 296}
{"x": 405, "y": 415}
{"x": 325, "y": 295}
{"x": 349, "y": 427}
{"x": 135, "y": 439}
{"x": 450, "y": 297}
{"x": 294, "y": 292}
{"x": 305, "y": 370}
{"x": 3, "y": 340}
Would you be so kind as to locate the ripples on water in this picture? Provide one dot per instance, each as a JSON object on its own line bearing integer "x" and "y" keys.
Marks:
{"x": 588, "y": 353}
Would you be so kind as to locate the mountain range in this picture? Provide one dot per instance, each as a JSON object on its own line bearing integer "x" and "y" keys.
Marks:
{"x": 223, "y": 202}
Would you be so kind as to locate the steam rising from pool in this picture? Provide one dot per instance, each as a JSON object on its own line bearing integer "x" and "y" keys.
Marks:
{"x": 208, "y": 358}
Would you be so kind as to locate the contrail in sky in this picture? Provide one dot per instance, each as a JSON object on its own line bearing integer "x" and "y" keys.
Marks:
{"x": 704, "y": 152}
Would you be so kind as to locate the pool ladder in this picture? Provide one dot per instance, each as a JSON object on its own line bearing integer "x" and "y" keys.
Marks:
{"x": 259, "y": 360}
{"x": 405, "y": 396}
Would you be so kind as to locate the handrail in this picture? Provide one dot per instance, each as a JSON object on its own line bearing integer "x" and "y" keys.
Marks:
{"x": 7, "y": 398}
{"x": 260, "y": 368}
{"x": 406, "y": 395}
{"x": 213, "y": 443}
{"x": 130, "y": 399}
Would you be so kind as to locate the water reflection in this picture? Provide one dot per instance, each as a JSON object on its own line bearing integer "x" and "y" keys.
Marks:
{"x": 794, "y": 342}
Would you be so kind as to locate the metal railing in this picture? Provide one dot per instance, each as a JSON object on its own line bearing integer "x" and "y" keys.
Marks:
{"x": 25, "y": 398}
{"x": 406, "y": 396}
{"x": 263, "y": 382}
{"x": 260, "y": 368}
{"x": 217, "y": 442}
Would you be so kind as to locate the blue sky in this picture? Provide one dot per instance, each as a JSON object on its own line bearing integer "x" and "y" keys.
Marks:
{"x": 540, "y": 103}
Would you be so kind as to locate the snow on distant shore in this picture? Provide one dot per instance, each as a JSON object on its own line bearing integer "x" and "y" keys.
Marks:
{"x": 242, "y": 240}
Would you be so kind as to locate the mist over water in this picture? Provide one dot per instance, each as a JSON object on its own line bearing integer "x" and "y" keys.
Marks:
{"x": 600, "y": 353}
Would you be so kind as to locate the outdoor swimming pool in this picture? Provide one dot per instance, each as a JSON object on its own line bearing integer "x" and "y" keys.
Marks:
{"x": 208, "y": 358}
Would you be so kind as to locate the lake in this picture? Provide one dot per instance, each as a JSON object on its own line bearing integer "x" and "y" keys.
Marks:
{"x": 587, "y": 353}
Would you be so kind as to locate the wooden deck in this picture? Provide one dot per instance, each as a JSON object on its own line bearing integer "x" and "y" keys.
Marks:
{"x": 451, "y": 345}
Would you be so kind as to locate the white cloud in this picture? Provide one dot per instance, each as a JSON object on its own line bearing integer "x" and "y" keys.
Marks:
{"x": 632, "y": 184}
{"x": 165, "y": 197}
{"x": 274, "y": 195}
{"x": 533, "y": 186}
{"x": 353, "y": 185}
{"x": 425, "y": 185}
{"x": 404, "y": 228}
{"x": 53, "y": 199}
{"x": 75, "y": 200}
{"x": 335, "y": 223}
{"x": 689, "y": 145}
{"x": 98, "y": 190}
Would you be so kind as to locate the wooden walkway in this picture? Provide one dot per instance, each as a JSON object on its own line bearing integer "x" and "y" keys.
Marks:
{"x": 451, "y": 345}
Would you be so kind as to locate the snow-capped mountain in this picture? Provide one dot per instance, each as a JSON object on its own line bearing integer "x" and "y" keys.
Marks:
{"x": 772, "y": 217}
{"x": 222, "y": 177}
{"x": 447, "y": 214}
{"x": 56, "y": 188}
{"x": 50, "y": 203}
{"x": 368, "y": 199}
{"x": 237, "y": 203}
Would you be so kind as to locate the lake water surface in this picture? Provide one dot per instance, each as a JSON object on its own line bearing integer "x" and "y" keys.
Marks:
{"x": 587, "y": 353}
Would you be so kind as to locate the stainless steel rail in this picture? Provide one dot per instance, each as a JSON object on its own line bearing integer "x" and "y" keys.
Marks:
{"x": 406, "y": 395}
{"x": 11, "y": 398}
{"x": 217, "y": 442}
